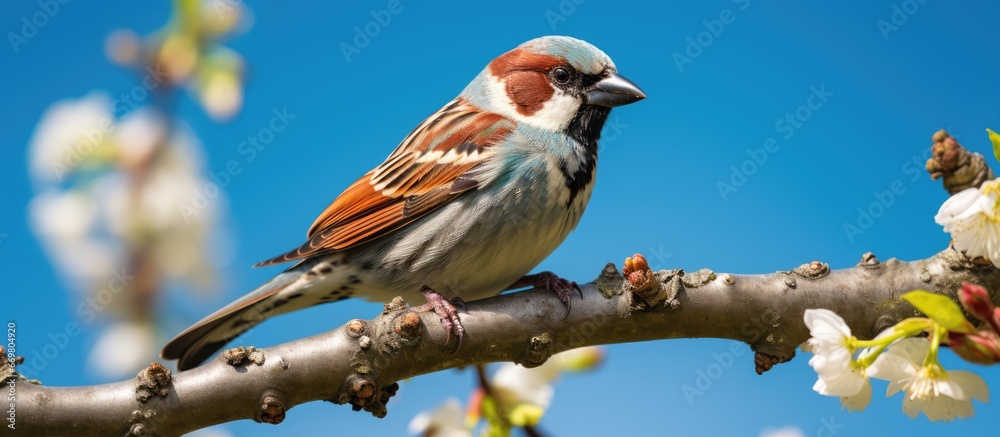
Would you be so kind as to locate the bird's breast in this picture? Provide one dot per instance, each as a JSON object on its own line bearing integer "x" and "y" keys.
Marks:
{"x": 487, "y": 239}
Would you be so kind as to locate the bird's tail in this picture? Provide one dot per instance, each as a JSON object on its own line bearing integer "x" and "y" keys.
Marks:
{"x": 202, "y": 339}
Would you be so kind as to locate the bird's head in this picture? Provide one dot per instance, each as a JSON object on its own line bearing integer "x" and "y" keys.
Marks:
{"x": 552, "y": 82}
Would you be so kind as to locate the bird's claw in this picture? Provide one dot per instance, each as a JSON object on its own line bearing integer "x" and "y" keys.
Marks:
{"x": 447, "y": 312}
{"x": 560, "y": 287}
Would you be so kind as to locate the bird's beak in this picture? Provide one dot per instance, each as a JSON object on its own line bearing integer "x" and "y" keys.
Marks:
{"x": 614, "y": 90}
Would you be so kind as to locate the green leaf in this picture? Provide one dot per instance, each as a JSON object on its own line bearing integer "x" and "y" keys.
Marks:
{"x": 496, "y": 426}
{"x": 526, "y": 415}
{"x": 497, "y": 430}
{"x": 941, "y": 309}
{"x": 995, "y": 139}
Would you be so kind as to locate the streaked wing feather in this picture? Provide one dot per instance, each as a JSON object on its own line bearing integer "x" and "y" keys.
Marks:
{"x": 425, "y": 172}
{"x": 416, "y": 206}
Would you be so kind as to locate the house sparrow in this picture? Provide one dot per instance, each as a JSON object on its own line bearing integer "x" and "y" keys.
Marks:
{"x": 470, "y": 201}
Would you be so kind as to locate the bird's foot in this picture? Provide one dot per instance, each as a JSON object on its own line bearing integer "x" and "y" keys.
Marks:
{"x": 554, "y": 284}
{"x": 446, "y": 311}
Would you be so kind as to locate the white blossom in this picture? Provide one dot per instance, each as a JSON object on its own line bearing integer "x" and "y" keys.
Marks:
{"x": 941, "y": 395}
{"x": 972, "y": 217}
{"x": 70, "y": 132}
{"x": 138, "y": 134}
{"x": 788, "y": 431}
{"x": 515, "y": 384}
{"x": 446, "y": 421}
{"x": 65, "y": 222}
{"x": 832, "y": 358}
{"x": 829, "y": 334}
{"x": 82, "y": 224}
{"x": 122, "y": 350}
{"x": 860, "y": 400}
{"x": 221, "y": 93}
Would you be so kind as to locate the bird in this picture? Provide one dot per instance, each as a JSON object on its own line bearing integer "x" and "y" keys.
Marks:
{"x": 468, "y": 203}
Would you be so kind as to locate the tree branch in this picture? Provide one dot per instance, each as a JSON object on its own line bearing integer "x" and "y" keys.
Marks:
{"x": 360, "y": 362}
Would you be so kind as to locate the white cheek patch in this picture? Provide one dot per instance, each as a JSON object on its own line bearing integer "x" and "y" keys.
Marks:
{"x": 557, "y": 113}
{"x": 554, "y": 116}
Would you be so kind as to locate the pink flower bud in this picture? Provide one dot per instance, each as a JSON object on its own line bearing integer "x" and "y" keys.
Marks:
{"x": 995, "y": 320}
{"x": 980, "y": 348}
{"x": 976, "y": 300}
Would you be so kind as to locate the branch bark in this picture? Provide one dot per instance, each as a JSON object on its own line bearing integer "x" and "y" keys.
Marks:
{"x": 360, "y": 362}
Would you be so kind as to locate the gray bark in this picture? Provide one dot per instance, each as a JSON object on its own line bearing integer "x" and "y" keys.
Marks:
{"x": 359, "y": 362}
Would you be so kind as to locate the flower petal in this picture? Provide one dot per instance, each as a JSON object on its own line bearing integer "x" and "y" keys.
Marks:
{"x": 912, "y": 407}
{"x": 956, "y": 205}
{"x": 446, "y": 420}
{"x": 847, "y": 383}
{"x": 825, "y": 323}
{"x": 913, "y": 349}
{"x": 973, "y": 384}
{"x": 894, "y": 367}
{"x": 950, "y": 388}
{"x": 859, "y": 401}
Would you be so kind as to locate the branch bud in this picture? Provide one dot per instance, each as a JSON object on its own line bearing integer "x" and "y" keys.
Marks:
{"x": 980, "y": 348}
{"x": 976, "y": 300}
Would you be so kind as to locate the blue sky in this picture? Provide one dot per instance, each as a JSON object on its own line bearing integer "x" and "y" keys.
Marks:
{"x": 885, "y": 90}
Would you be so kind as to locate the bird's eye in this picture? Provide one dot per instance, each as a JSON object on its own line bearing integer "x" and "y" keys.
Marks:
{"x": 561, "y": 75}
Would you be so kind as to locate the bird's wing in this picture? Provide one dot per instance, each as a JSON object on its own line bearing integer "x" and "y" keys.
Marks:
{"x": 430, "y": 167}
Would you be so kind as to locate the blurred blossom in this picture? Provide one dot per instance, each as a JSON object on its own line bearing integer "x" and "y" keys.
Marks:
{"x": 214, "y": 431}
{"x": 446, "y": 421}
{"x": 63, "y": 216}
{"x": 155, "y": 214}
{"x": 138, "y": 135}
{"x": 180, "y": 252}
{"x": 70, "y": 133}
{"x": 111, "y": 193}
{"x": 189, "y": 52}
{"x": 178, "y": 56}
{"x": 65, "y": 222}
{"x": 515, "y": 385}
{"x": 788, "y": 431}
{"x": 221, "y": 93}
{"x": 218, "y": 84}
{"x": 578, "y": 360}
{"x": 220, "y": 17}
{"x": 122, "y": 47}
{"x": 79, "y": 224}
{"x": 122, "y": 350}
